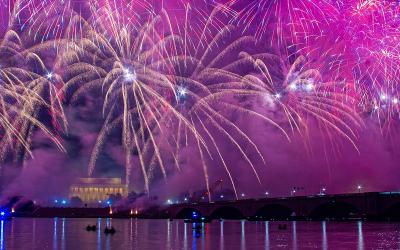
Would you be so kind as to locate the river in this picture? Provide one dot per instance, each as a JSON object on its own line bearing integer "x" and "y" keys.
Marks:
{"x": 61, "y": 234}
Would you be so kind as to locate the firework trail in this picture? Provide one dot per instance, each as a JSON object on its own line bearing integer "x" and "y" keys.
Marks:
{"x": 128, "y": 56}
{"x": 209, "y": 43}
{"x": 174, "y": 81}
{"x": 284, "y": 20}
{"x": 374, "y": 29}
{"x": 162, "y": 86}
{"x": 365, "y": 36}
{"x": 29, "y": 96}
{"x": 300, "y": 90}
{"x": 358, "y": 38}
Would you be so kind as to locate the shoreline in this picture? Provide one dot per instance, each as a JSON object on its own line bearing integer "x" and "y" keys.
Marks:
{"x": 67, "y": 212}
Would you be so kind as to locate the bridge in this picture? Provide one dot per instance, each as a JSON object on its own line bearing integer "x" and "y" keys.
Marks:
{"x": 373, "y": 205}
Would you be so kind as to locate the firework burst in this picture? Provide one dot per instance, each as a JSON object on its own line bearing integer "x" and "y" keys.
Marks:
{"x": 174, "y": 81}
{"x": 162, "y": 87}
{"x": 295, "y": 91}
{"x": 29, "y": 97}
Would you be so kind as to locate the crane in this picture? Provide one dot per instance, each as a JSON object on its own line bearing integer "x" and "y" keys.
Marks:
{"x": 202, "y": 195}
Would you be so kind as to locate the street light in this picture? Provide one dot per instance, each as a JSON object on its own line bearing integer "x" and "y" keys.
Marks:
{"x": 359, "y": 187}
{"x": 266, "y": 193}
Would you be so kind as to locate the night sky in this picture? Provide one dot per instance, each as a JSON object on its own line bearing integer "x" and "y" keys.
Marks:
{"x": 340, "y": 144}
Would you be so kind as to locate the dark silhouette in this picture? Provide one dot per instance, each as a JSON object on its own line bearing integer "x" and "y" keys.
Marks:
{"x": 109, "y": 230}
{"x": 91, "y": 228}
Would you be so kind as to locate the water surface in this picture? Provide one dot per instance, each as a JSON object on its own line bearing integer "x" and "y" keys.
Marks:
{"x": 61, "y": 234}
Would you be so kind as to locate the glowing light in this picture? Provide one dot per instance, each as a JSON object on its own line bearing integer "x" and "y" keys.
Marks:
{"x": 129, "y": 75}
{"x": 2, "y": 213}
{"x": 134, "y": 212}
{"x": 138, "y": 53}
{"x": 293, "y": 86}
{"x": 181, "y": 93}
{"x": 309, "y": 86}
{"x": 49, "y": 75}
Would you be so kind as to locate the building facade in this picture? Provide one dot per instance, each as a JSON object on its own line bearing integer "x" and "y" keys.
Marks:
{"x": 94, "y": 190}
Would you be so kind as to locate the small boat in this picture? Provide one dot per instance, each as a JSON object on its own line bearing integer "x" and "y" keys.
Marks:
{"x": 91, "y": 228}
{"x": 109, "y": 230}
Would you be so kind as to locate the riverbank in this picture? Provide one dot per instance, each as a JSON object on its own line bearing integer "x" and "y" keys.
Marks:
{"x": 157, "y": 213}
{"x": 87, "y": 212}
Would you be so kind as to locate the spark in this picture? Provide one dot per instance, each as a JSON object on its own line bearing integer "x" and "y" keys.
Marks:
{"x": 172, "y": 87}
{"x": 49, "y": 75}
{"x": 129, "y": 75}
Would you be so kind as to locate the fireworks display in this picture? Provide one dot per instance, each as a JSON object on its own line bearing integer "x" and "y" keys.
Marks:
{"x": 175, "y": 76}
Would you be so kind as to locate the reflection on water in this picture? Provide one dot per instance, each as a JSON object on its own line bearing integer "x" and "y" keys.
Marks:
{"x": 243, "y": 241}
{"x": 360, "y": 236}
{"x": 266, "y": 235}
{"x": 324, "y": 237}
{"x": 2, "y": 235}
{"x": 294, "y": 234}
{"x": 55, "y": 243}
{"x": 64, "y": 234}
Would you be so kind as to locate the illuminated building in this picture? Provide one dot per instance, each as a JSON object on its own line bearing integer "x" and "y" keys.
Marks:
{"x": 93, "y": 190}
